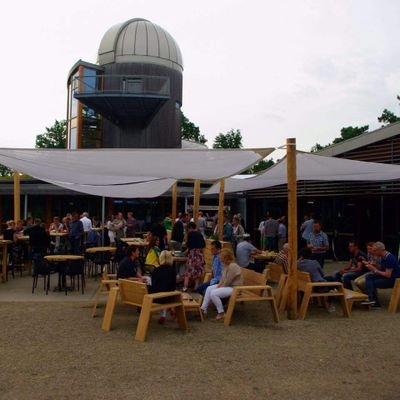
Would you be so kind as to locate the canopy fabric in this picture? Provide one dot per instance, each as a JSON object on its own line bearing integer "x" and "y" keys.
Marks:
{"x": 129, "y": 173}
{"x": 311, "y": 167}
{"x": 109, "y": 166}
{"x": 146, "y": 189}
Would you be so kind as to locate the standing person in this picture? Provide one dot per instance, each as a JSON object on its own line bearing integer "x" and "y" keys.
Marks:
{"x": 110, "y": 230}
{"x": 158, "y": 229}
{"x": 227, "y": 230}
{"x": 195, "y": 264}
{"x": 306, "y": 228}
{"x": 39, "y": 240}
{"x": 130, "y": 225}
{"x": 271, "y": 228}
{"x": 217, "y": 267}
{"x": 383, "y": 276}
{"x": 231, "y": 277}
{"x": 201, "y": 224}
{"x": 118, "y": 226}
{"x": 238, "y": 231}
{"x": 167, "y": 221}
{"x": 318, "y": 243}
{"x": 75, "y": 234}
{"x": 244, "y": 251}
{"x": 86, "y": 222}
{"x": 178, "y": 231}
{"x": 261, "y": 229}
{"x": 282, "y": 232}
{"x": 57, "y": 227}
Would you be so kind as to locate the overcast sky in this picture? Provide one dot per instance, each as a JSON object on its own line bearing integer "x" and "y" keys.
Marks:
{"x": 273, "y": 69}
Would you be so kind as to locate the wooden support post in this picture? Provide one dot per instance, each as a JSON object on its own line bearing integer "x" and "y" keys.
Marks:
{"x": 196, "y": 201}
{"x": 221, "y": 208}
{"x": 292, "y": 225}
{"x": 17, "y": 196}
{"x": 174, "y": 202}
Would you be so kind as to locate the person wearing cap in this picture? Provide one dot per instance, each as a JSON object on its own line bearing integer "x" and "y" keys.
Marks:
{"x": 244, "y": 251}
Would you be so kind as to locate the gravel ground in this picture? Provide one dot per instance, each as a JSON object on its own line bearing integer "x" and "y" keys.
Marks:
{"x": 55, "y": 350}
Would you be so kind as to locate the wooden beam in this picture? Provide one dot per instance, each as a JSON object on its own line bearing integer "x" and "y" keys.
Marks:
{"x": 196, "y": 201}
{"x": 17, "y": 196}
{"x": 221, "y": 208}
{"x": 174, "y": 202}
{"x": 292, "y": 225}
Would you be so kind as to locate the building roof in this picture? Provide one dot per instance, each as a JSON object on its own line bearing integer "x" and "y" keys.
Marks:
{"x": 362, "y": 140}
{"x": 139, "y": 40}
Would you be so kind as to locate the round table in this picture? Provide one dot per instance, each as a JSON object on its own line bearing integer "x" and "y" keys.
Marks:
{"x": 100, "y": 249}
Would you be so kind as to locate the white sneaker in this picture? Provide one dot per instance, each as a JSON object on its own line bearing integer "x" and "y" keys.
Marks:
{"x": 331, "y": 309}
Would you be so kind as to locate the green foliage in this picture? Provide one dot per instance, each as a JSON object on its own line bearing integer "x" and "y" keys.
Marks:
{"x": 230, "y": 140}
{"x": 387, "y": 117}
{"x": 4, "y": 171}
{"x": 345, "y": 134}
{"x": 190, "y": 131}
{"x": 350, "y": 132}
{"x": 55, "y": 137}
{"x": 261, "y": 166}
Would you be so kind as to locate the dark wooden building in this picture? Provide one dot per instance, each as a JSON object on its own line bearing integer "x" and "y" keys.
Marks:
{"x": 132, "y": 97}
{"x": 363, "y": 210}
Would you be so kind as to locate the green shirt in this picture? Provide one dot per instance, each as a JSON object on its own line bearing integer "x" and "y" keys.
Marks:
{"x": 167, "y": 223}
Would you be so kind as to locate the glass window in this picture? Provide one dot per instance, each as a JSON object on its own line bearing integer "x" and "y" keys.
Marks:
{"x": 73, "y": 139}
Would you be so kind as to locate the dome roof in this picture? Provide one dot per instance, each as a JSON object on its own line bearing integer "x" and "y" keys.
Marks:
{"x": 139, "y": 40}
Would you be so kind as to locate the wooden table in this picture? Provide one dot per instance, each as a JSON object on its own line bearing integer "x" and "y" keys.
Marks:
{"x": 96, "y": 229}
{"x": 265, "y": 256}
{"x": 135, "y": 241}
{"x": 190, "y": 304}
{"x": 23, "y": 238}
{"x": 3, "y": 246}
{"x": 100, "y": 249}
{"x": 63, "y": 257}
{"x": 58, "y": 234}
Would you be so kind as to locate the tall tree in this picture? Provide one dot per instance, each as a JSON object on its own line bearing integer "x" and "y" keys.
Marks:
{"x": 190, "y": 131}
{"x": 230, "y": 140}
{"x": 261, "y": 166}
{"x": 387, "y": 117}
{"x": 55, "y": 137}
{"x": 350, "y": 132}
{"x": 4, "y": 171}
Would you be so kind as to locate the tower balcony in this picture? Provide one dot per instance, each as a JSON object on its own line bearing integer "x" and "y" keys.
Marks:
{"x": 122, "y": 97}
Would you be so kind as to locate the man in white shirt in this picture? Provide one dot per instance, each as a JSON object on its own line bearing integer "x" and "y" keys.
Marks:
{"x": 86, "y": 222}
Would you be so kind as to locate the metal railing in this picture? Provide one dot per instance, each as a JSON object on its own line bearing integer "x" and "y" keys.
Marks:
{"x": 129, "y": 85}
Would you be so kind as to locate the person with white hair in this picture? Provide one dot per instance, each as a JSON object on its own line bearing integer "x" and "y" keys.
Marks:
{"x": 282, "y": 257}
{"x": 383, "y": 276}
{"x": 86, "y": 222}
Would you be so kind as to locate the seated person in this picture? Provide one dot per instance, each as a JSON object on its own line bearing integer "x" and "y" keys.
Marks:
{"x": 360, "y": 281}
{"x": 244, "y": 250}
{"x": 153, "y": 252}
{"x": 163, "y": 279}
{"x": 282, "y": 257}
{"x": 383, "y": 276}
{"x": 354, "y": 267}
{"x": 216, "y": 268}
{"x": 313, "y": 267}
{"x": 129, "y": 267}
{"x": 231, "y": 276}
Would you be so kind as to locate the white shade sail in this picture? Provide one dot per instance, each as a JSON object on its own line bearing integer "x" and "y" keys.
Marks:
{"x": 311, "y": 167}
{"x": 128, "y": 172}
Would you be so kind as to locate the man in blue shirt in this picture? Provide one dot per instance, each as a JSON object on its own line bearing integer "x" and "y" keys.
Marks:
{"x": 382, "y": 277}
{"x": 244, "y": 251}
{"x": 318, "y": 243}
{"x": 217, "y": 268}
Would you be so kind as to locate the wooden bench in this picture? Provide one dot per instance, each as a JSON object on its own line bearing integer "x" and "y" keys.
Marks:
{"x": 305, "y": 285}
{"x": 253, "y": 288}
{"x": 352, "y": 296}
{"x": 107, "y": 282}
{"x": 276, "y": 274}
{"x": 135, "y": 293}
{"x": 395, "y": 298}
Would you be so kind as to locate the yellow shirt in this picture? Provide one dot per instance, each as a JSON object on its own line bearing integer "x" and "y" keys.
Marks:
{"x": 152, "y": 258}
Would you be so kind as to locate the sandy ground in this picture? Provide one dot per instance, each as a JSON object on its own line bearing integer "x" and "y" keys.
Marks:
{"x": 55, "y": 350}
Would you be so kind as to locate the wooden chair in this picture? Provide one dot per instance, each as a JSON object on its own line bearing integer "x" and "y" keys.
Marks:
{"x": 254, "y": 286}
{"x": 305, "y": 285}
{"x": 135, "y": 294}
{"x": 352, "y": 296}
{"x": 395, "y": 298}
{"x": 276, "y": 274}
{"x": 107, "y": 282}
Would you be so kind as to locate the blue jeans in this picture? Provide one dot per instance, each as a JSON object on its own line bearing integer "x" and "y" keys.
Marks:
{"x": 373, "y": 282}
{"x": 271, "y": 243}
{"x": 347, "y": 277}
